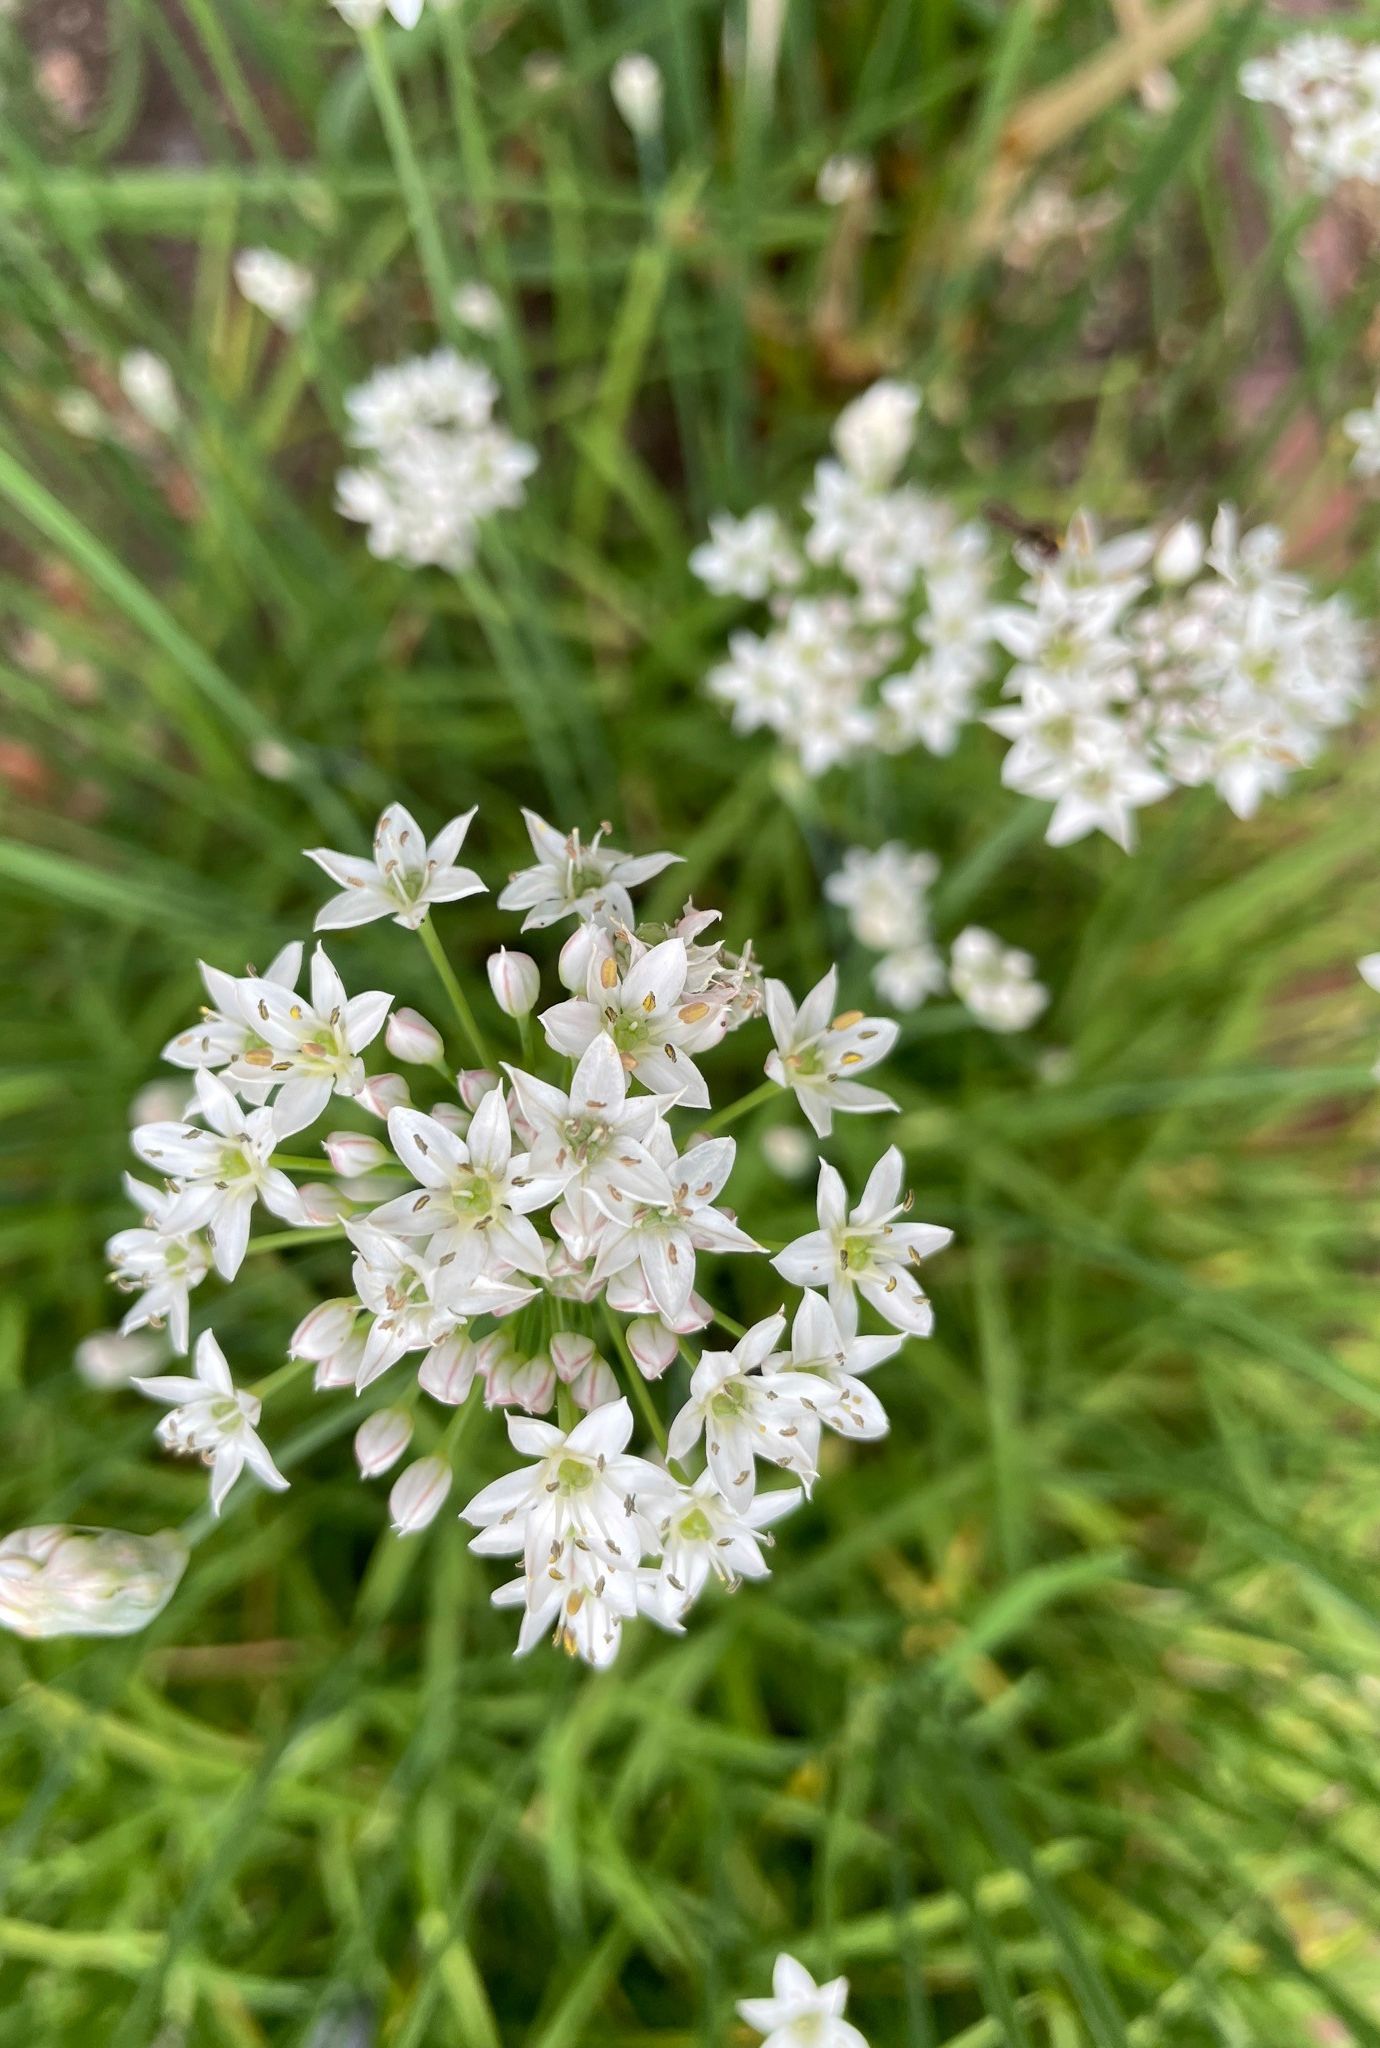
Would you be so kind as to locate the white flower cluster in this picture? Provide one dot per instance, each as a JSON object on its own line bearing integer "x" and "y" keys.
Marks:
{"x": 1149, "y": 661}
{"x": 886, "y": 896}
{"x": 1328, "y": 90}
{"x": 881, "y": 633}
{"x": 437, "y": 462}
{"x": 535, "y": 1228}
{"x": 1136, "y": 664}
{"x": 362, "y": 14}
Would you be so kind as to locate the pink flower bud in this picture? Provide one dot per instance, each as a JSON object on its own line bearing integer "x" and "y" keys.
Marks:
{"x": 575, "y": 958}
{"x": 515, "y": 980}
{"x": 350, "y": 1152}
{"x": 571, "y": 1354}
{"x": 341, "y": 1368}
{"x": 382, "y": 1092}
{"x": 528, "y": 1383}
{"x": 452, "y": 1116}
{"x": 322, "y": 1204}
{"x": 595, "y": 1385}
{"x": 474, "y": 1084}
{"x": 652, "y": 1345}
{"x": 419, "y": 1495}
{"x": 411, "y": 1039}
{"x": 381, "y": 1440}
{"x": 325, "y": 1328}
{"x": 447, "y": 1372}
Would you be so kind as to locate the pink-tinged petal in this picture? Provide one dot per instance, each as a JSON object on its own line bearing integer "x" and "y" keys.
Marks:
{"x": 364, "y": 1017}
{"x": 831, "y": 1200}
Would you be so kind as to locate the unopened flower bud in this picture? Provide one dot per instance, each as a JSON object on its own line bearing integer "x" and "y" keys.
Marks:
{"x": 474, "y": 1084}
{"x": 652, "y": 1345}
{"x": 843, "y": 179}
{"x": 59, "y": 1581}
{"x": 452, "y": 1116}
{"x": 1180, "y": 554}
{"x": 106, "y": 1359}
{"x": 515, "y": 980}
{"x": 382, "y": 1092}
{"x": 340, "y": 1368}
{"x": 526, "y": 1383}
{"x": 636, "y": 86}
{"x": 575, "y": 957}
{"x": 789, "y": 1152}
{"x": 381, "y": 1440}
{"x": 570, "y": 1354}
{"x": 411, "y": 1039}
{"x": 325, "y": 1328}
{"x": 352, "y": 1152}
{"x": 873, "y": 435}
{"x": 596, "y": 1385}
{"x": 447, "y": 1372}
{"x": 147, "y": 383}
{"x": 419, "y": 1495}
{"x": 161, "y": 1102}
{"x": 322, "y": 1204}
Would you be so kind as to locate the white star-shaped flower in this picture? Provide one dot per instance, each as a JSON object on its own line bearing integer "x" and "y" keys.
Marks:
{"x": 819, "y": 1055}
{"x": 866, "y": 1251}
{"x": 407, "y": 875}
{"x": 212, "y": 1420}
{"x": 801, "y": 2013}
{"x": 572, "y": 879}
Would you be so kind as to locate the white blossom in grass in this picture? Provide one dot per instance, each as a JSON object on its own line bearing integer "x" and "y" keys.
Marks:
{"x": 418, "y": 1495}
{"x": 801, "y": 2013}
{"x": 703, "y": 1535}
{"x": 415, "y": 1297}
{"x": 381, "y": 1440}
{"x": 819, "y": 1055}
{"x": 1362, "y": 429}
{"x": 818, "y": 1346}
{"x": 414, "y": 1039}
{"x": 515, "y": 980}
{"x": 474, "y": 1194}
{"x": 931, "y": 702}
{"x": 160, "y": 1102}
{"x": 874, "y": 434}
{"x": 222, "y": 1034}
{"x": 362, "y": 14}
{"x": 885, "y": 894}
{"x": 158, "y": 1264}
{"x": 1328, "y": 89}
{"x": 406, "y": 877}
{"x": 311, "y": 1048}
{"x": 281, "y": 289}
{"x": 1369, "y": 970}
{"x": 147, "y": 384}
{"x": 745, "y": 1412}
{"x": 105, "y": 1359}
{"x": 996, "y": 983}
{"x": 1181, "y": 554}
{"x": 636, "y": 86}
{"x": 572, "y": 879}
{"x": 868, "y": 1251}
{"x": 81, "y": 414}
{"x": 907, "y": 977}
{"x": 843, "y": 180}
{"x": 748, "y": 557}
{"x": 595, "y": 1137}
{"x": 211, "y": 1419}
{"x": 221, "y": 1171}
{"x": 477, "y": 305}
{"x": 646, "y": 1013}
{"x": 652, "y": 1252}
{"x": 60, "y": 1581}
{"x": 583, "y": 1494}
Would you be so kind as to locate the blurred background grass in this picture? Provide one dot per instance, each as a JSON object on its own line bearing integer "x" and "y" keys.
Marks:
{"x": 1056, "y": 1724}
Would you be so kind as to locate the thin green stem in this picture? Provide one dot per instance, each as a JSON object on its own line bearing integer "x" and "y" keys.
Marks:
{"x": 642, "y": 1393}
{"x": 754, "y": 1097}
{"x": 278, "y": 1240}
{"x": 459, "y": 1001}
{"x": 421, "y": 213}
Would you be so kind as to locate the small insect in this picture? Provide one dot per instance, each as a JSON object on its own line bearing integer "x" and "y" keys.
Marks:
{"x": 1044, "y": 539}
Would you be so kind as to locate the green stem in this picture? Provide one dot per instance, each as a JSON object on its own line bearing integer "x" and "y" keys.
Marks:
{"x": 294, "y": 1368}
{"x": 642, "y": 1393}
{"x": 459, "y": 1001}
{"x": 426, "y": 231}
{"x": 276, "y": 1240}
{"x": 755, "y": 1096}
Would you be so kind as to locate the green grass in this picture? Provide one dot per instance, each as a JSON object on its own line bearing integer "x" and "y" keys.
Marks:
{"x": 1054, "y": 1725}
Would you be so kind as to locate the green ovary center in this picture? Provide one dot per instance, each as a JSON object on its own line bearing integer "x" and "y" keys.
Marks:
{"x": 630, "y": 1034}
{"x": 574, "y": 1476}
{"x": 695, "y": 1527}
{"x": 728, "y": 1402}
